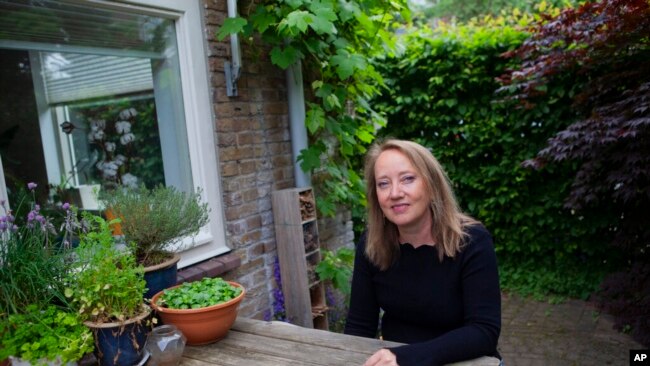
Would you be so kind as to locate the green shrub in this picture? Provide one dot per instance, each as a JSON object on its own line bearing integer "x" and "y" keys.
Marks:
{"x": 441, "y": 93}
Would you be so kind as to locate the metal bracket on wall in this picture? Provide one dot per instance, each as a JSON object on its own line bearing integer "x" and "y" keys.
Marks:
{"x": 232, "y": 75}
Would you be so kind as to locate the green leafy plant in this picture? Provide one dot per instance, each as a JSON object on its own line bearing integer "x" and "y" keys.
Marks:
{"x": 34, "y": 247}
{"x": 199, "y": 294}
{"x": 333, "y": 41}
{"x": 107, "y": 284}
{"x": 45, "y": 335}
{"x": 336, "y": 267}
{"x": 155, "y": 220}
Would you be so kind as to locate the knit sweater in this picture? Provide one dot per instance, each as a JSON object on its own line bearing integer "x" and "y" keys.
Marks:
{"x": 445, "y": 311}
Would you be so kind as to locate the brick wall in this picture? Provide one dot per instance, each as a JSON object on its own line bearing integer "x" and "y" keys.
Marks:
{"x": 254, "y": 150}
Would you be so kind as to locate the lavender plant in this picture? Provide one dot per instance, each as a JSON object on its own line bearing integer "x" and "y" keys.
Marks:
{"x": 279, "y": 312}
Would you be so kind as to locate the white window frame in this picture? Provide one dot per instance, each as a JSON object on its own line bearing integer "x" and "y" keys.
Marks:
{"x": 192, "y": 53}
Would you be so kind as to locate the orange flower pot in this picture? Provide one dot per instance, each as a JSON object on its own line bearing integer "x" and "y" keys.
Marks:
{"x": 203, "y": 325}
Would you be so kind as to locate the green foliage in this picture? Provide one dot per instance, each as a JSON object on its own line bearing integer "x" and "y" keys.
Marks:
{"x": 336, "y": 267}
{"x": 464, "y": 10}
{"x": 107, "y": 284}
{"x": 199, "y": 294}
{"x": 154, "y": 220}
{"x": 441, "y": 93}
{"x": 32, "y": 259}
{"x": 546, "y": 279}
{"x": 333, "y": 41}
{"x": 41, "y": 335}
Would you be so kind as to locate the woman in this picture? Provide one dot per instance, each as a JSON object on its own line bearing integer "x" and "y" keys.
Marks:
{"x": 429, "y": 267}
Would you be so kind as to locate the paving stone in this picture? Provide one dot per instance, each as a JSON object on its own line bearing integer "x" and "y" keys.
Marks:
{"x": 571, "y": 333}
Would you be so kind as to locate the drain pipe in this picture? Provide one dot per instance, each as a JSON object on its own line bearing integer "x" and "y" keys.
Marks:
{"x": 296, "y": 100}
{"x": 232, "y": 68}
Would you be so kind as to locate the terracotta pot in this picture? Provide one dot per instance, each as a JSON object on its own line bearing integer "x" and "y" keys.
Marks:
{"x": 116, "y": 228}
{"x": 161, "y": 276}
{"x": 204, "y": 325}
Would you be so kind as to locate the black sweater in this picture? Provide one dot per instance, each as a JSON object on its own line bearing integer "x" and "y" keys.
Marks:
{"x": 445, "y": 311}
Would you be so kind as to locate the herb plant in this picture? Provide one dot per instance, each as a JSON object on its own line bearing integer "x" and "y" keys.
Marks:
{"x": 108, "y": 284}
{"x": 40, "y": 336}
{"x": 199, "y": 294}
{"x": 32, "y": 253}
{"x": 154, "y": 220}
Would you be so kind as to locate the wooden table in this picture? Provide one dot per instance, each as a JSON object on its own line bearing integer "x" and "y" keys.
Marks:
{"x": 255, "y": 342}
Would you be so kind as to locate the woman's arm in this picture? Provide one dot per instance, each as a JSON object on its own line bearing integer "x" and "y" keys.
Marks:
{"x": 363, "y": 314}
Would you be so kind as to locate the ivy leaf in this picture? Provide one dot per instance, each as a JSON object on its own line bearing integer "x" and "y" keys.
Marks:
{"x": 315, "y": 118}
{"x": 309, "y": 158}
{"x": 321, "y": 23}
{"x": 262, "y": 19}
{"x": 284, "y": 58}
{"x": 365, "y": 136}
{"x": 346, "y": 63}
{"x": 294, "y": 4}
{"x": 324, "y": 18}
{"x": 231, "y": 26}
{"x": 297, "y": 19}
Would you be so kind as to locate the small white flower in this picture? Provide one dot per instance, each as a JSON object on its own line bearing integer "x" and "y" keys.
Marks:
{"x": 128, "y": 113}
{"x": 130, "y": 180}
{"x": 127, "y": 138}
{"x": 120, "y": 159}
{"x": 97, "y": 135}
{"x": 97, "y": 124}
{"x": 123, "y": 127}
{"x": 109, "y": 146}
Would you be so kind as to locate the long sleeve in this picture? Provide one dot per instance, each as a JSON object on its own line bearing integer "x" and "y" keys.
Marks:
{"x": 479, "y": 332}
{"x": 363, "y": 313}
{"x": 445, "y": 311}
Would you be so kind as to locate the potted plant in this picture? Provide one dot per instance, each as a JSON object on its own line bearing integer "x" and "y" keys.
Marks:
{"x": 35, "y": 254}
{"x": 106, "y": 289}
{"x": 52, "y": 336}
{"x": 203, "y": 310}
{"x": 153, "y": 222}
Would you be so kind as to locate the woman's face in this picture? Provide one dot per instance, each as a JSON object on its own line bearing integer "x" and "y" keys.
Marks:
{"x": 401, "y": 191}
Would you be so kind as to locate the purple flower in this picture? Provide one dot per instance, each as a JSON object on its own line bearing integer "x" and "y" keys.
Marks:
{"x": 65, "y": 206}
{"x": 31, "y": 186}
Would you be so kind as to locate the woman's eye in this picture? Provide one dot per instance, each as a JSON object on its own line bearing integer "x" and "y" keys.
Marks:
{"x": 408, "y": 179}
{"x": 382, "y": 184}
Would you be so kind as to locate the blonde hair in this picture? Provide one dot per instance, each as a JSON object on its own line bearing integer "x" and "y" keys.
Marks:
{"x": 449, "y": 222}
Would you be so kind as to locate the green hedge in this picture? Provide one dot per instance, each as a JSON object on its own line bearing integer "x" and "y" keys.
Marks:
{"x": 442, "y": 93}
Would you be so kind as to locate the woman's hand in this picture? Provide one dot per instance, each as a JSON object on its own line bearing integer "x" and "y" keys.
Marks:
{"x": 383, "y": 357}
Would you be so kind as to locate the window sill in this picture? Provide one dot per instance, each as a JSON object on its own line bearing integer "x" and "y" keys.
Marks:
{"x": 212, "y": 267}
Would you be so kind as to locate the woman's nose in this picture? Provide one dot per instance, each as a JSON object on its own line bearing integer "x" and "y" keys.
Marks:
{"x": 396, "y": 191}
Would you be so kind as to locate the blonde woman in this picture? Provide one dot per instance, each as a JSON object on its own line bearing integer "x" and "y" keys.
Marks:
{"x": 429, "y": 267}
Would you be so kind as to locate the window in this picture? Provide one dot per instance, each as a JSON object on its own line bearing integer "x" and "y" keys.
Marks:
{"x": 99, "y": 94}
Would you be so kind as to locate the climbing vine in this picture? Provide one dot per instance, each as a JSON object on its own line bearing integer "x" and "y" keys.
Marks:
{"x": 333, "y": 41}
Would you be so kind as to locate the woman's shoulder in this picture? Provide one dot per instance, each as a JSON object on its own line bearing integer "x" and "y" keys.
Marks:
{"x": 478, "y": 235}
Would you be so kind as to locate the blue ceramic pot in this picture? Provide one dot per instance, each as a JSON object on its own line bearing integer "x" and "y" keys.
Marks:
{"x": 161, "y": 276}
{"x": 121, "y": 344}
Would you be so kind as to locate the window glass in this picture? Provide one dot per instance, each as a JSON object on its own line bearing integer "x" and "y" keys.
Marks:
{"x": 93, "y": 99}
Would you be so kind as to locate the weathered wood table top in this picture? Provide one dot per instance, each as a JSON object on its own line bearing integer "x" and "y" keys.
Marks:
{"x": 255, "y": 342}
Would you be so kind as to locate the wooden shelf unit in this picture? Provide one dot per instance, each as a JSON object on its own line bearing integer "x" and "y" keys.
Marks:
{"x": 296, "y": 233}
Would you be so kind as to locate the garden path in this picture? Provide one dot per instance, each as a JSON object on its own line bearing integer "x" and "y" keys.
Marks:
{"x": 571, "y": 333}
